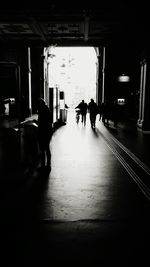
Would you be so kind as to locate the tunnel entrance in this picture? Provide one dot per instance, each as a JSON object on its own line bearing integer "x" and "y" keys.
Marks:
{"x": 70, "y": 75}
{"x": 72, "y": 71}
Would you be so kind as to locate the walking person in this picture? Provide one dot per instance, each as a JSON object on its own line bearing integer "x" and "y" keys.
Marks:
{"x": 44, "y": 133}
{"x": 93, "y": 110}
{"x": 115, "y": 113}
{"x": 83, "y": 111}
{"x": 106, "y": 113}
{"x": 77, "y": 115}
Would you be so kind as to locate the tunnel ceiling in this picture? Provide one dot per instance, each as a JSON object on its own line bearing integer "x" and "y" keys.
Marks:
{"x": 72, "y": 24}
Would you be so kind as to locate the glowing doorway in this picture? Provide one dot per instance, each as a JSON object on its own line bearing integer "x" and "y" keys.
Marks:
{"x": 73, "y": 70}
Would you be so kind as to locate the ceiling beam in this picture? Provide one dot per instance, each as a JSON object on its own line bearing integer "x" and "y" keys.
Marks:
{"x": 36, "y": 27}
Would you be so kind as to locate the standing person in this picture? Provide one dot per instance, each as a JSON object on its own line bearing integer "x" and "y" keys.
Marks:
{"x": 106, "y": 113}
{"x": 83, "y": 110}
{"x": 115, "y": 113}
{"x": 44, "y": 133}
{"x": 93, "y": 110}
{"x": 100, "y": 111}
{"x": 2, "y": 107}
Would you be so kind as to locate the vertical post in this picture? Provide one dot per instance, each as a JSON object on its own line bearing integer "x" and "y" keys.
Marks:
{"x": 19, "y": 92}
{"x": 98, "y": 93}
{"x": 18, "y": 80}
{"x": 46, "y": 88}
{"x": 103, "y": 77}
{"x": 97, "y": 76}
{"x": 144, "y": 91}
{"x": 140, "y": 100}
{"x": 141, "y": 119}
{"x": 29, "y": 81}
{"x": 17, "y": 77}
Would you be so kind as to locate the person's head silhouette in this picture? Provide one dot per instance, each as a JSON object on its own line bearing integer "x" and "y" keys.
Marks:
{"x": 41, "y": 104}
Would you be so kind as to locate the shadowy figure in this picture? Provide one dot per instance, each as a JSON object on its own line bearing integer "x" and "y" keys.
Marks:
{"x": 44, "y": 133}
{"x": 83, "y": 111}
{"x": 106, "y": 113}
{"x": 66, "y": 111}
{"x": 115, "y": 113}
{"x": 93, "y": 110}
{"x": 77, "y": 115}
{"x": 2, "y": 107}
{"x": 100, "y": 111}
{"x": 66, "y": 106}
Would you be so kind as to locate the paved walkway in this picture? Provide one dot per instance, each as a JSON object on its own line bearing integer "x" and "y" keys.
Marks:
{"x": 88, "y": 211}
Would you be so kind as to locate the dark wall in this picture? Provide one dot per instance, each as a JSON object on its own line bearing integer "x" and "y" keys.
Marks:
{"x": 119, "y": 60}
{"x": 37, "y": 79}
{"x": 8, "y": 83}
{"x": 16, "y": 57}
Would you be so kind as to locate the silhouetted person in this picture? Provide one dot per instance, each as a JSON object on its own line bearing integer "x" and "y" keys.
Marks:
{"x": 66, "y": 106}
{"x": 106, "y": 113}
{"x": 44, "y": 132}
{"x": 100, "y": 111}
{"x": 2, "y": 107}
{"x": 66, "y": 111}
{"x": 115, "y": 113}
{"x": 77, "y": 115}
{"x": 83, "y": 111}
{"x": 93, "y": 110}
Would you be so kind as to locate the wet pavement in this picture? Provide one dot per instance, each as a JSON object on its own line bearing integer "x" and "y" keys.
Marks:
{"x": 92, "y": 209}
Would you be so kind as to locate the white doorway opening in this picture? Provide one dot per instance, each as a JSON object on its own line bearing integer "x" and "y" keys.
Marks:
{"x": 73, "y": 70}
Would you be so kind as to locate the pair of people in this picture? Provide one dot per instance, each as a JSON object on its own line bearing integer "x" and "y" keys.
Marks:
{"x": 93, "y": 111}
{"x": 83, "y": 110}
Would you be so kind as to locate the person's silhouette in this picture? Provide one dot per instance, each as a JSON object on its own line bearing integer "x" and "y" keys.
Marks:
{"x": 44, "y": 132}
{"x": 93, "y": 110}
{"x": 83, "y": 111}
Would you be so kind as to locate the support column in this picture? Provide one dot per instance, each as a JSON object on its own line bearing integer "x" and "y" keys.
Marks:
{"x": 103, "y": 77}
{"x": 97, "y": 76}
{"x": 29, "y": 81}
{"x": 19, "y": 92}
{"x": 99, "y": 73}
{"x": 144, "y": 101}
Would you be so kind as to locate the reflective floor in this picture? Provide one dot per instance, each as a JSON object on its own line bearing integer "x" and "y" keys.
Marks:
{"x": 92, "y": 209}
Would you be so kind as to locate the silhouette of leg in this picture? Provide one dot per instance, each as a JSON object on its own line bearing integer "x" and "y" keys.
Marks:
{"x": 84, "y": 119}
{"x": 42, "y": 158}
{"x": 48, "y": 154}
{"x": 94, "y": 119}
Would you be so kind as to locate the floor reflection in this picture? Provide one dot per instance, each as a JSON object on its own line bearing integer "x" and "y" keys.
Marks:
{"x": 77, "y": 188}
